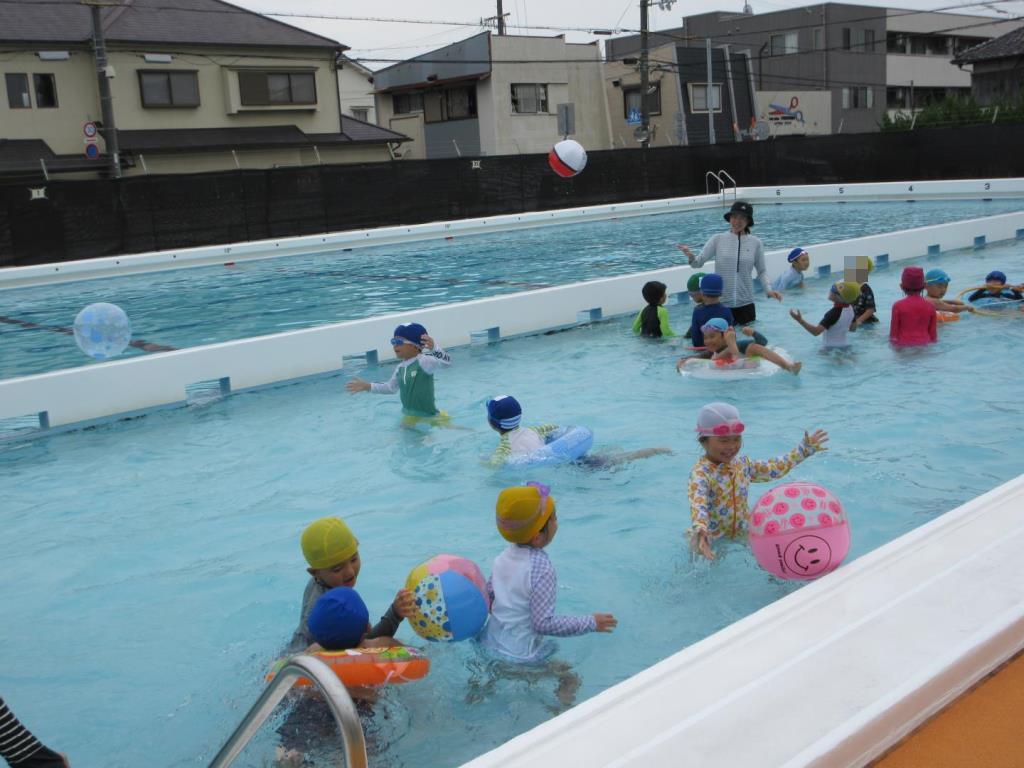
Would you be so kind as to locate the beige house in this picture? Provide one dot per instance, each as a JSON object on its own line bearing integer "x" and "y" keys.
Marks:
{"x": 203, "y": 88}
{"x": 495, "y": 95}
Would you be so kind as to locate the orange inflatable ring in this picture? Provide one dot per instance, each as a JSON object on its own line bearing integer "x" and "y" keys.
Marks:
{"x": 368, "y": 666}
{"x": 946, "y": 317}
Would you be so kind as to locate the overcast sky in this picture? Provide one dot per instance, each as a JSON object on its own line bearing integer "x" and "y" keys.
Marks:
{"x": 386, "y": 40}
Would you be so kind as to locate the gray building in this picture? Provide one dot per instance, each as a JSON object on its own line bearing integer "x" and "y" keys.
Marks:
{"x": 870, "y": 59}
{"x": 997, "y": 69}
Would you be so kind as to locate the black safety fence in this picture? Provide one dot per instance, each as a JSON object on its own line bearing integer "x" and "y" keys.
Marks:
{"x": 90, "y": 218}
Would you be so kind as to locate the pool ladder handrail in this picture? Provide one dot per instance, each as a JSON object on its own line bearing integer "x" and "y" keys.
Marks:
{"x": 720, "y": 177}
{"x": 338, "y": 700}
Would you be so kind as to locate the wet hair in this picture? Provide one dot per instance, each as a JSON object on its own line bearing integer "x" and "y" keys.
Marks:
{"x": 650, "y": 324}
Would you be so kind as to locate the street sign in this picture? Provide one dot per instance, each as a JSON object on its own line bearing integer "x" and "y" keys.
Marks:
{"x": 640, "y": 134}
{"x": 634, "y": 117}
{"x": 92, "y": 151}
{"x": 89, "y": 129}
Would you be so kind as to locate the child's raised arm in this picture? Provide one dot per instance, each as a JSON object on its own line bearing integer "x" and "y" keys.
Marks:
{"x": 772, "y": 469}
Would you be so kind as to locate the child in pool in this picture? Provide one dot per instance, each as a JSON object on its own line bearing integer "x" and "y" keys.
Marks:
{"x": 996, "y": 288}
{"x": 720, "y": 344}
{"x": 523, "y": 584}
{"x": 793, "y": 277}
{"x": 936, "y": 283}
{"x": 413, "y": 378}
{"x": 332, "y": 553}
{"x": 864, "y": 310}
{"x": 711, "y": 307}
{"x": 505, "y": 415}
{"x": 652, "y": 321}
{"x": 913, "y": 318}
{"x": 837, "y": 320}
{"x": 719, "y": 481}
{"x": 693, "y": 288}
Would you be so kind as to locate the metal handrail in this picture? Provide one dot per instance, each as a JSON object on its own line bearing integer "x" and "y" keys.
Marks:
{"x": 707, "y": 187}
{"x": 338, "y": 699}
{"x": 735, "y": 191}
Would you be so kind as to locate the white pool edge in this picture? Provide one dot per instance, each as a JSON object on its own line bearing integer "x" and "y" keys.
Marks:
{"x": 926, "y": 615}
{"x": 181, "y": 258}
{"x": 82, "y": 395}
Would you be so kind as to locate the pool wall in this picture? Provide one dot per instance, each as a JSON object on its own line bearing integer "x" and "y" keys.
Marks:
{"x": 155, "y": 261}
{"x": 830, "y": 675}
{"x": 85, "y": 394}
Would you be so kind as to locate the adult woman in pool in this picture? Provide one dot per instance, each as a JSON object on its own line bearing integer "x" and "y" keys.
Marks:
{"x": 736, "y": 253}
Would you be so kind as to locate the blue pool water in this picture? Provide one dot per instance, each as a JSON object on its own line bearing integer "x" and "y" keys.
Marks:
{"x": 189, "y": 307}
{"x": 150, "y": 568}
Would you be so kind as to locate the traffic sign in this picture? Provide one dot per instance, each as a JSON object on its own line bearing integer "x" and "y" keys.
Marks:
{"x": 634, "y": 117}
{"x": 92, "y": 151}
{"x": 89, "y": 129}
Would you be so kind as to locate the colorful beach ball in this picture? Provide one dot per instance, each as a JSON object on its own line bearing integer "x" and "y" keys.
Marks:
{"x": 451, "y": 601}
{"x": 799, "y": 531}
{"x": 567, "y": 158}
{"x": 102, "y": 330}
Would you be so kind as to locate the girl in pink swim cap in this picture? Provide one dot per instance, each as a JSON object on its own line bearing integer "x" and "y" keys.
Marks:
{"x": 720, "y": 479}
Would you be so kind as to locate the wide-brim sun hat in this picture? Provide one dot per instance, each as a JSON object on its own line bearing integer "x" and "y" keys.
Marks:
{"x": 742, "y": 207}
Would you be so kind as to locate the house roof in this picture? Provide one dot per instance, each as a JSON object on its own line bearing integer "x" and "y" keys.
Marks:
{"x": 178, "y": 22}
{"x": 163, "y": 140}
{"x": 1006, "y": 46}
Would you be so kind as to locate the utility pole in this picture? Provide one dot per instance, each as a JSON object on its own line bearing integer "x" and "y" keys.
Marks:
{"x": 501, "y": 19}
{"x": 109, "y": 129}
{"x": 645, "y": 119}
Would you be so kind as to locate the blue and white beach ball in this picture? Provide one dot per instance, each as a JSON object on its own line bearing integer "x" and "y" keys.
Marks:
{"x": 102, "y": 330}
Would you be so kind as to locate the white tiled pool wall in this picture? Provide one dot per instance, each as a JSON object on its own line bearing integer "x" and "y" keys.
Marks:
{"x": 363, "y": 238}
{"x": 82, "y": 395}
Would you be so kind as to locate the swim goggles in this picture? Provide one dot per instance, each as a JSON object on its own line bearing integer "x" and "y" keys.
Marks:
{"x": 722, "y": 430}
{"x": 398, "y": 341}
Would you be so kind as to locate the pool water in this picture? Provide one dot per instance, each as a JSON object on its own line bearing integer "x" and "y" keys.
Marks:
{"x": 150, "y": 568}
{"x": 189, "y": 307}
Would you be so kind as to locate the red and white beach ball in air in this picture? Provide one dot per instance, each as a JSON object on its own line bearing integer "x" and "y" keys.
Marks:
{"x": 567, "y": 158}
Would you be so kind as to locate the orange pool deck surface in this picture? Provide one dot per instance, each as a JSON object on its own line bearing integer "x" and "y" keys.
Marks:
{"x": 981, "y": 728}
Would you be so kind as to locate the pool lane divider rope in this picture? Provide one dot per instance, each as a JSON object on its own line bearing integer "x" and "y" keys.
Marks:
{"x": 146, "y": 346}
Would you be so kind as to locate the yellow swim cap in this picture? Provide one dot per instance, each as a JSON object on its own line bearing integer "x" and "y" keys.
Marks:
{"x": 847, "y": 292}
{"x": 865, "y": 262}
{"x": 327, "y": 542}
{"x": 522, "y": 511}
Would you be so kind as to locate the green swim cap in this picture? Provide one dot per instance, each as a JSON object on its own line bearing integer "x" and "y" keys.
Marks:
{"x": 693, "y": 284}
{"x": 847, "y": 292}
{"x": 327, "y": 542}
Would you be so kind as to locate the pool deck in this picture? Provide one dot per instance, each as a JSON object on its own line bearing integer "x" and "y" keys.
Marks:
{"x": 982, "y": 727}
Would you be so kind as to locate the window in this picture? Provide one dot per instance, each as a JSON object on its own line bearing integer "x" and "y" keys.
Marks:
{"x": 266, "y": 89}
{"x": 895, "y": 42}
{"x": 17, "y": 91}
{"x": 631, "y": 100}
{"x": 846, "y": 38}
{"x": 443, "y": 104}
{"x": 819, "y": 38}
{"x": 46, "y": 91}
{"x": 858, "y": 98}
{"x": 168, "y": 89}
{"x": 529, "y": 98}
{"x": 930, "y": 45}
{"x": 361, "y": 113}
{"x": 404, "y": 103}
{"x": 783, "y": 44}
{"x": 869, "y": 41}
{"x": 699, "y": 97}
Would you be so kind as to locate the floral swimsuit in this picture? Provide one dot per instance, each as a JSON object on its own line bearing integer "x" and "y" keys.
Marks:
{"x": 718, "y": 492}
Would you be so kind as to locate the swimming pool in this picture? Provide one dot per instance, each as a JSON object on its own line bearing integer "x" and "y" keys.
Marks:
{"x": 154, "y": 566}
{"x": 204, "y": 305}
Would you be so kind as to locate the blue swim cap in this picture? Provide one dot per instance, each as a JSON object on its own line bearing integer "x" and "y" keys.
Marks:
{"x": 504, "y": 411}
{"x": 338, "y": 620}
{"x": 995, "y": 276}
{"x": 936, "y": 277}
{"x": 411, "y": 332}
{"x": 711, "y": 285}
{"x": 715, "y": 324}
{"x": 795, "y": 254}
